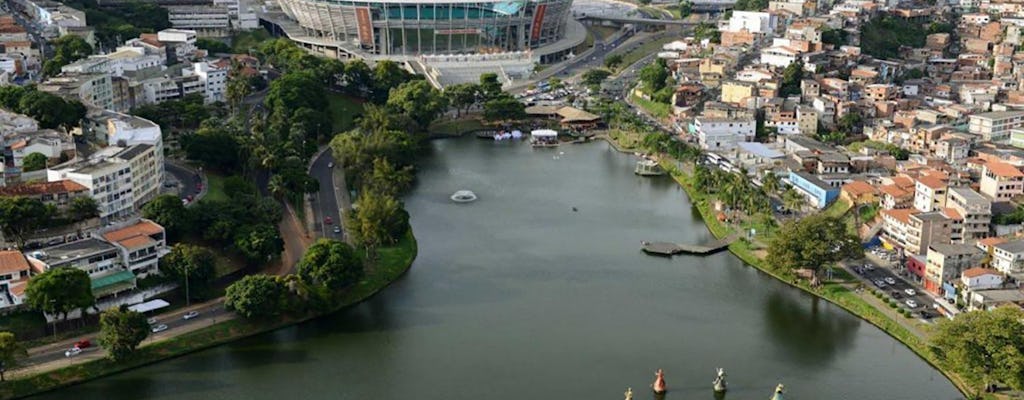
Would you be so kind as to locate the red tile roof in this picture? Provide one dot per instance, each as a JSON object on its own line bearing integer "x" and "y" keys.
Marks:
{"x": 40, "y": 188}
{"x": 902, "y": 215}
{"x": 1004, "y": 170}
{"x": 857, "y": 188}
{"x": 142, "y": 228}
{"x": 978, "y": 271}
{"x": 12, "y": 261}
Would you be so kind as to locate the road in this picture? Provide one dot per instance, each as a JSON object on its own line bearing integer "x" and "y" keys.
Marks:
{"x": 874, "y": 271}
{"x": 325, "y": 202}
{"x": 209, "y": 313}
{"x": 187, "y": 178}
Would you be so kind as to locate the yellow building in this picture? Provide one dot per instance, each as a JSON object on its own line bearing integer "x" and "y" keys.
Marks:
{"x": 735, "y": 92}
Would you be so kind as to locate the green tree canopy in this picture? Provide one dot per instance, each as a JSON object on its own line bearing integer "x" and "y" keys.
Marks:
{"x": 882, "y": 36}
{"x": 708, "y": 31}
{"x": 387, "y": 75}
{"x": 654, "y": 75}
{"x": 330, "y": 264}
{"x": 195, "y": 263}
{"x": 984, "y": 347}
{"x": 595, "y": 76}
{"x": 48, "y": 109}
{"x": 167, "y": 210}
{"x": 613, "y": 61}
{"x": 791, "y": 77}
{"x": 213, "y": 46}
{"x": 256, "y": 296}
{"x": 82, "y": 208}
{"x": 21, "y": 216}
{"x": 34, "y": 162}
{"x": 504, "y": 107}
{"x": 11, "y": 353}
{"x": 121, "y": 332}
{"x": 378, "y": 220}
{"x": 490, "y": 86}
{"x": 67, "y": 49}
{"x": 258, "y": 243}
{"x": 419, "y": 101}
{"x": 59, "y": 291}
{"x": 462, "y": 96}
{"x": 386, "y": 179}
{"x": 812, "y": 242}
{"x": 216, "y": 147}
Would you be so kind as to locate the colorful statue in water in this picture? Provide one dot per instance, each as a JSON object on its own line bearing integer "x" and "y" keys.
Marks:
{"x": 629, "y": 393}
{"x": 778, "y": 392}
{"x": 720, "y": 381}
{"x": 659, "y": 382}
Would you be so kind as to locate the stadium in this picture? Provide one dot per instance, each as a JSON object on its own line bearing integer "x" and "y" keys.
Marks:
{"x": 407, "y": 29}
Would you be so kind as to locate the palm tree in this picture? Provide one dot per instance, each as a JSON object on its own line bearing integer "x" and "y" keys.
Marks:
{"x": 792, "y": 199}
{"x": 277, "y": 186}
{"x": 375, "y": 119}
{"x": 770, "y": 182}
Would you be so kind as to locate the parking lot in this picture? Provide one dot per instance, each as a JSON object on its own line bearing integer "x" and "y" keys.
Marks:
{"x": 877, "y": 270}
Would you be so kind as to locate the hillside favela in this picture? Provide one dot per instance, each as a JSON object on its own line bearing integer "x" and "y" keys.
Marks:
{"x": 512, "y": 199}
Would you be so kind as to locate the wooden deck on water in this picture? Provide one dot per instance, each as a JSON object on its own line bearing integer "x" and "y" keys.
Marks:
{"x": 671, "y": 249}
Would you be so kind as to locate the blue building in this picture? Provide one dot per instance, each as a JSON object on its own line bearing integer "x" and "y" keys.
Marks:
{"x": 819, "y": 194}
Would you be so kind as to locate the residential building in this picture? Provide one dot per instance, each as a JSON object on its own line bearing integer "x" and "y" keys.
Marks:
{"x": 758, "y": 23}
{"x": 952, "y": 150}
{"x": 975, "y": 209}
{"x": 737, "y": 92}
{"x": 899, "y": 194}
{"x": 982, "y": 279}
{"x": 109, "y": 183}
{"x": 58, "y": 193}
{"x": 214, "y": 80}
{"x": 48, "y": 142}
{"x": 779, "y": 56}
{"x": 818, "y": 193}
{"x": 204, "y": 20}
{"x": 1001, "y": 181}
{"x": 927, "y": 228}
{"x": 991, "y": 299}
{"x": 859, "y": 192}
{"x": 101, "y": 260}
{"x": 181, "y": 42}
{"x": 995, "y": 126}
{"x": 14, "y": 275}
{"x": 141, "y": 244}
{"x": 720, "y": 134}
{"x": 91, "y": 89}
{"x": 945, "y": 262}
{"x": 1006, "y": 256}
{"x": 929, "y": 193}
{"x": 147, "y": 172}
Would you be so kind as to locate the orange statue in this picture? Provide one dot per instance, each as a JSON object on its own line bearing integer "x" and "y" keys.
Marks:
{"x": 659, "y": 382}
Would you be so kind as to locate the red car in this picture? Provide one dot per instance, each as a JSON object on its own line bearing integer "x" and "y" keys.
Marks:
{"x": 328, "y": 220}
{"x": 81, "y": 344}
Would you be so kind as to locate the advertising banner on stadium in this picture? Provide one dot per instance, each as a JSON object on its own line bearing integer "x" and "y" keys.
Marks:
{"x": 364, "y": 25}
{"x": 465, "y": 31}
{"x": 538, "y": 20}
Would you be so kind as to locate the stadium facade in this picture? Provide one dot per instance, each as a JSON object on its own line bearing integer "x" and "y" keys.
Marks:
{"x": 411, "y": 28}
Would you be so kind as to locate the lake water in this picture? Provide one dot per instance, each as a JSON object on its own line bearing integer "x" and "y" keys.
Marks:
{"x": 516, "y": 296}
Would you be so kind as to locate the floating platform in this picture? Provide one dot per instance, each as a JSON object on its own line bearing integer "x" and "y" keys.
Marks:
{"x": 667, "y": 249}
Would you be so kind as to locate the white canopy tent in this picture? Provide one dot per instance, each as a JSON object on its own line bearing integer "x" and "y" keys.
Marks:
{"x": 149, "y": 306}
{"x": 544, "y": 133}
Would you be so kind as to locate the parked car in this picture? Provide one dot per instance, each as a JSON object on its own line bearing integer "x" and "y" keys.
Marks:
{"x": 74, "y": 351}
{"x": 159, "y": 328}
{"x": 869, "y": 267}
{"x": 328, "y": 220}
{"x": 910, "y": 292}
{"x": 890, "y": 280}
{"x": 81, "y": 344}
{"x": 151, "y": 321}
{"x": 330, "y": 165}
{"x": 911, "y": 303}
{"x": 896, "y": 295}
{"x": 337, "y": 229}
{"x": 189, "y": 315}
{"x": 880, "y": 283}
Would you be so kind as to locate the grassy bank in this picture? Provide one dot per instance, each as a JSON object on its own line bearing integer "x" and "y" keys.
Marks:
{"x": 833, "y": 292}
{"x": 343, "y": 110}
{"x": 391, "y": 264}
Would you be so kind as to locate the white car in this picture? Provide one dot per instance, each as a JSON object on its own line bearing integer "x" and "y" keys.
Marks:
{"x": 869, "y": 267}
{"x": 74, "y": 351}
{"x": 890, "y": 280}
{"x": 911, "y": 304}
{"x": 190, "y": 315}
{"x": 151, "y": 321}
{"x": 159, "y": 328}
{"x": 880, "y": 283}
{"x": 910, "y": 292}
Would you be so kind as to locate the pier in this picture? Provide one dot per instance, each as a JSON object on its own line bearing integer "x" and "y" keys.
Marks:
{"x": 671, "y": 249}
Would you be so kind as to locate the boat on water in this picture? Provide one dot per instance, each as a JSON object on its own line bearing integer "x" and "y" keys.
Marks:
{"x": 648, "y": 167}
{"x": 544, "y": 138}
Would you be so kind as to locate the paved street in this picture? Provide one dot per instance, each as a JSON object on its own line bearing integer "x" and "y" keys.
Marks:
{"x": 325, "y": 201}
{"x": 878, "y": 273}
{"x": 187, "y": 178}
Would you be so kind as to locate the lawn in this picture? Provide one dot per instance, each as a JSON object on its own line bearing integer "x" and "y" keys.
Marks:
{"x": 659, "y": 110}
{"x": 343, "y": 111}
{"x": 456, "y": 127}
{"x": 634, "y": 55}
{"x": 215, "y": 189}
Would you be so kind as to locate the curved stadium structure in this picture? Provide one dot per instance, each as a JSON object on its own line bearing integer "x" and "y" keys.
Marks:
{"x": 413, "y": 28}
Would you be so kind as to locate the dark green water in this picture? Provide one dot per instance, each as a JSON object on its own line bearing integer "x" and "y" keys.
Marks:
{"x": 518, "y": 297}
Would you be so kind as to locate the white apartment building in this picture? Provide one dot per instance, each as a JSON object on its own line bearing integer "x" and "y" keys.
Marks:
{"x": 91, "y": 89}
{"x": 182, "y": 41}
{"x": 929, "y": 194}
{"x": 12, "y": 122}
{"x": 101, "y": 260}
{"x": 975, "y": 209}
{"x": 1001, "y": 181}
{"x": 204, "y": 20}
{"x": 752, "y": 21}
{"x": 946, "y": 262}
{"x": 1006, "y": 256}
{"x": 723, "y": 133}
{"x": 147, "y": 171}
{"x": 14, "y": 275}
{"x": 109, "y": 183}
{"x": 215, "y": 81}
{"x": 47, "y": 142}
{"x": 125, "y": 59}
{"x": 779, "y": 56}
{"x": 995, "y": 126}
{"x": 141, "y": 245}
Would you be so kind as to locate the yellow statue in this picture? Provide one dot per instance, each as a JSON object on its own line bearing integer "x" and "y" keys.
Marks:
{"x": 629, "y": 393}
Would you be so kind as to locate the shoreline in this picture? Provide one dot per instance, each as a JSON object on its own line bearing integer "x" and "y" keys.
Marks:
{"x": 212, "y": 336}
{"x": 739, "y": 250}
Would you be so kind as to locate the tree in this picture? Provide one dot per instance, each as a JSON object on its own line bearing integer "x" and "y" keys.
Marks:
{"x": 357, "y": 78}
{"x": 193, "y": 266}
{"x": 653, "y": 76}
{"x": 835, "y": 37}
{"x": 418, "y": 100}
{"x": 50, "y": 110}
{"x": 67, "y": 49}
{"x": 504, "y": 107}
{"x": 167, "y": 210}
{"x": 685, "y": 8}
{"x": 11, "y": 353}
{"x": 771, "y": 183}
{"x": 613, "y": 61}
{"x": 595, "y": 76}
{"x": 387, "y": 75}
{"x": 791, "y": 78}
{"x": 751, "y": 5}
{"x": 213, "y": 46}
{"x": 490, "y": 86}
{"x": 22, "y": 216}
{"x": 883, "y": 36}
{"x": 708, "y": 31}
{"x": 216, "y": 147}
{"x": 330, "y": 264}
{"x": 121, "y": 332}
{"x": 34, "y": 162}
{"x": 256, "y": 296}
{"x": 792, "y": 199}
{"x": 812, "y": 242}
{"x": 83, "y": 208}
{"x": 259, "y": 242}
{"x": 386, "y": 179}
{"x": 850, "y": 123}
{"x": 462, "y": 96}
{"x": 59, "y": 291}
{"x": 984, "y": 347}
{"x": 378, "y": 220}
